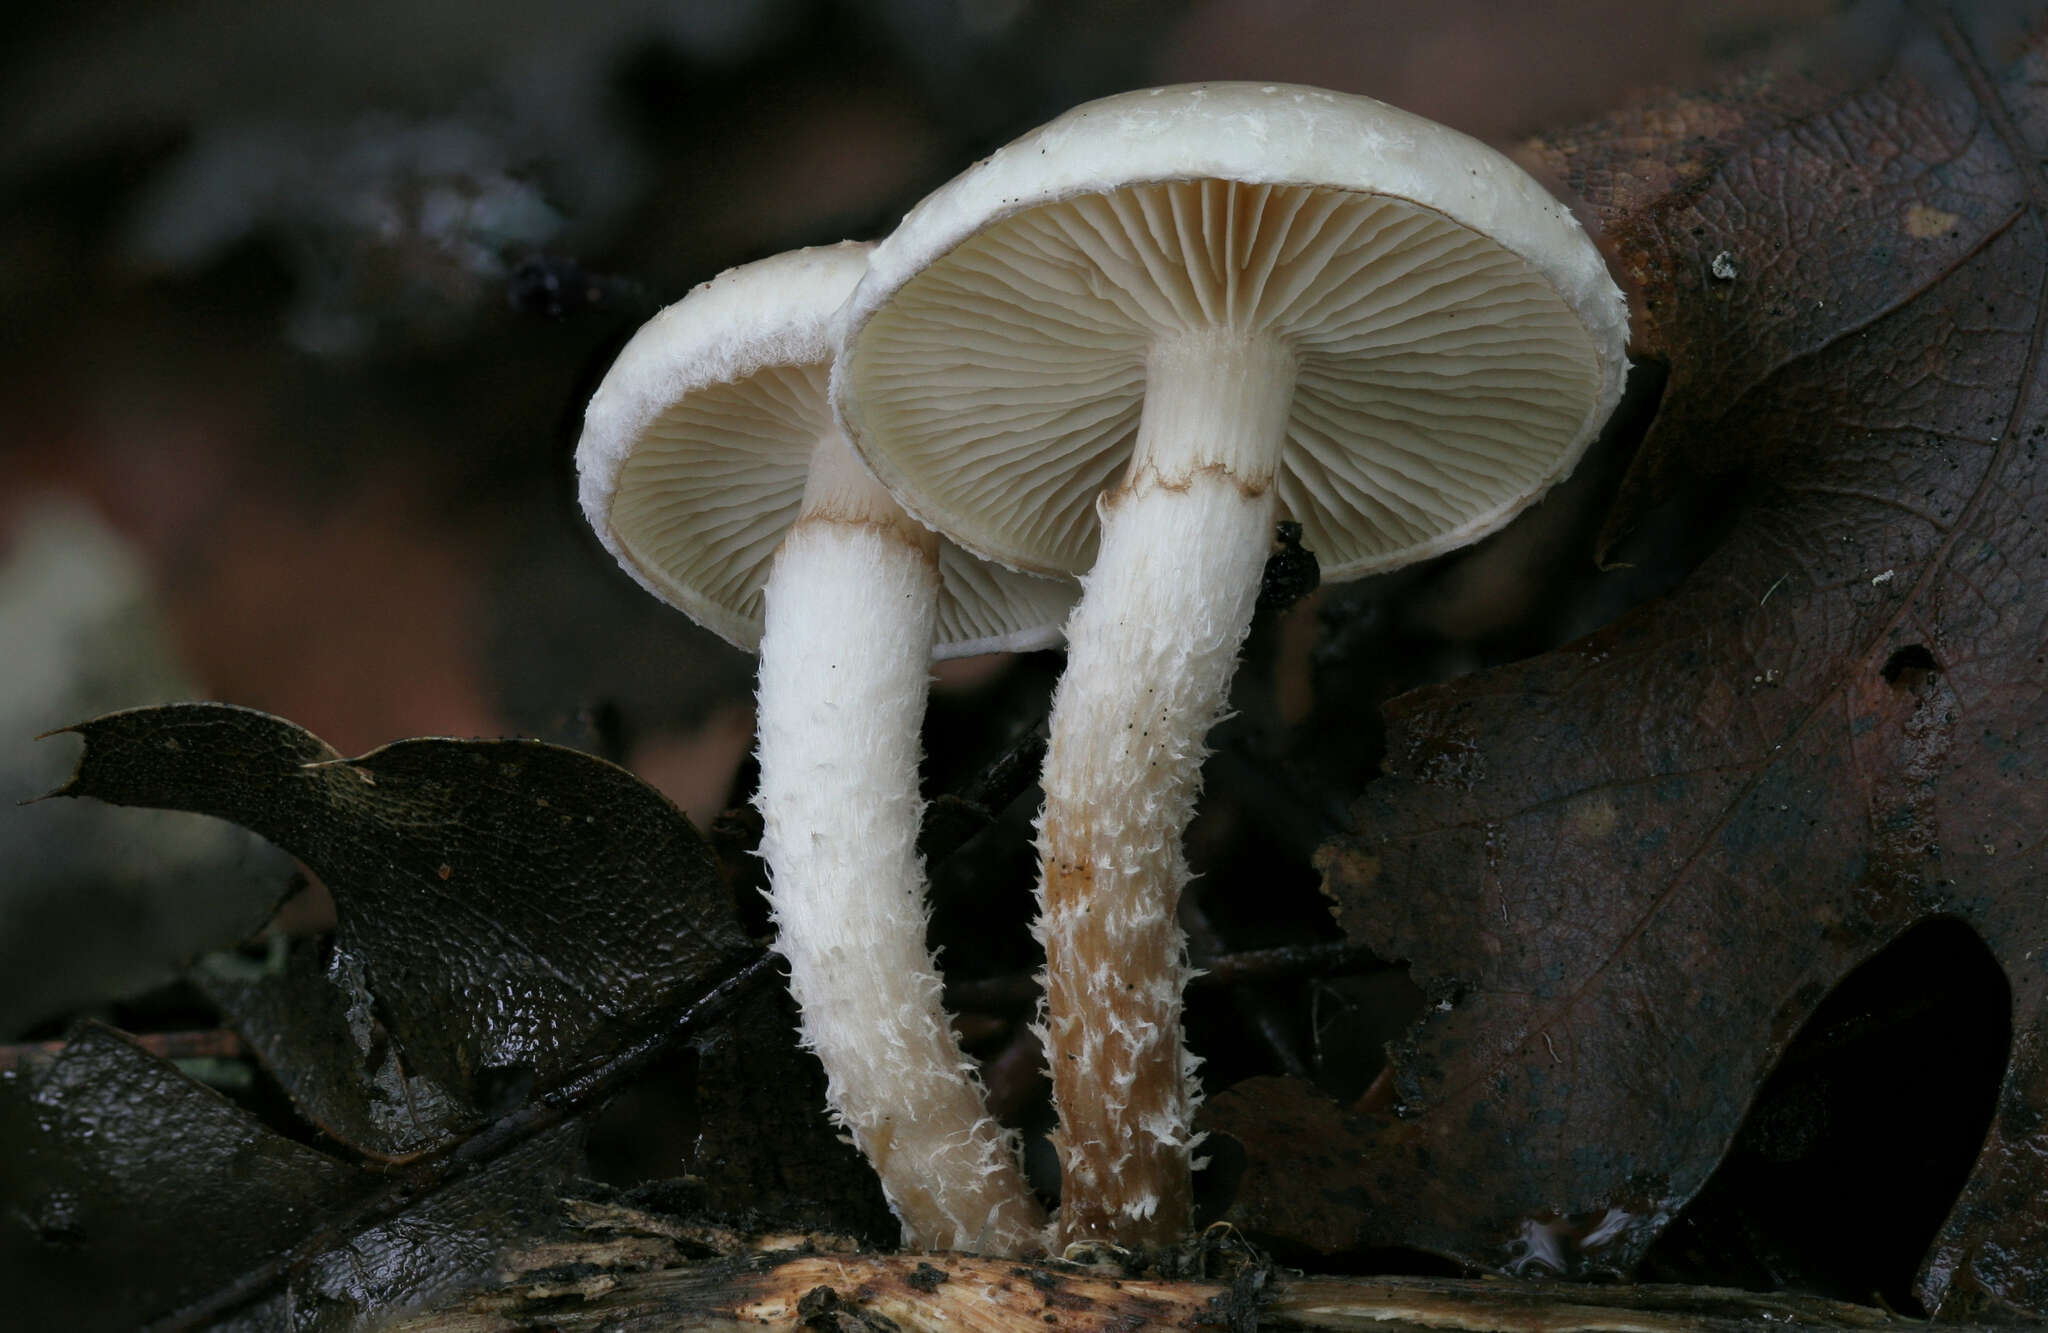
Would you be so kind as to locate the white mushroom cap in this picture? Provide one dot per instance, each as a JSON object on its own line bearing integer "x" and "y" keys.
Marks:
{"x": 1458, "y": 340}
{"x": 697, "y": 445}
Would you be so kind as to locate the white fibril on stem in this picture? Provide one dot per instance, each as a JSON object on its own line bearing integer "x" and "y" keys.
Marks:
{"x": 713, "y": 470}
{"x": 852, "y": 606}
{"x": 1150, "y": 653}
{"x": 1196, "y": 311}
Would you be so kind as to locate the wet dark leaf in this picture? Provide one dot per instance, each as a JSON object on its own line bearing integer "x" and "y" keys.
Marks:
{"x": 1629, "y": 871}
{"x": 313, "y": 1025}
{"x": 515, "y": 911}
{"x": 452, "y": 1237}
{"x": 127, "y": 1189}
{"x": 129, "y": 1192}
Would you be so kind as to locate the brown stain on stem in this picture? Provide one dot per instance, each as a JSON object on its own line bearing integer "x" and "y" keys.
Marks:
{"x": 1118, "y": 1180}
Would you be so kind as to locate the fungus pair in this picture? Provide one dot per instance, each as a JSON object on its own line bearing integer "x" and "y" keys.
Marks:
{"x": 1123, "y": 347}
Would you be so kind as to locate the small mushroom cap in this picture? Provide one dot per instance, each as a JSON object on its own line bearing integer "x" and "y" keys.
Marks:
{"x": 697, "y": 444}
{"x": 1457, "y": 339}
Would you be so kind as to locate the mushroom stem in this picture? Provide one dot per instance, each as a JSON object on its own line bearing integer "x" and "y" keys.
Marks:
{"x": 1151, "y": 650}
{"x": 851, "y": 612}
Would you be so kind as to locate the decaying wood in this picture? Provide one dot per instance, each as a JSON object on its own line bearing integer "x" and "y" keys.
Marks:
{"x": 574, "y": 1289}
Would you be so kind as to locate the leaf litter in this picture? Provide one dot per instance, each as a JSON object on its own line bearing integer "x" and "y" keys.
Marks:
{"x": 1631, "y": 869}
{"x": 520, "y": 930}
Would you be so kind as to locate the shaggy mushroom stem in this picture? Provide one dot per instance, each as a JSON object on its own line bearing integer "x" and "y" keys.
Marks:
{"x": 1151, "y": 649}
{"x": 851, "y": 607}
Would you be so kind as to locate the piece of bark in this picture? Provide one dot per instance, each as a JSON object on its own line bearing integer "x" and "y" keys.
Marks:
{"x": 578, "y": 1292}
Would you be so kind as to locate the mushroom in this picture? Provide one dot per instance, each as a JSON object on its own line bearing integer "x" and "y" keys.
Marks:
{"x": 712, "y": 469}
{"x": 1194, "y": 312}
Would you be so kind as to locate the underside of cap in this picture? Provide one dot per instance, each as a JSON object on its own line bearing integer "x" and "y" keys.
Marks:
{"x": 994, "y": 363}
{"x": 697, "y": 445}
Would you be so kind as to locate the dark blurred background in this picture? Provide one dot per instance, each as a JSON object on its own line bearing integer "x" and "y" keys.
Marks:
{"x": 303, "y": 301}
